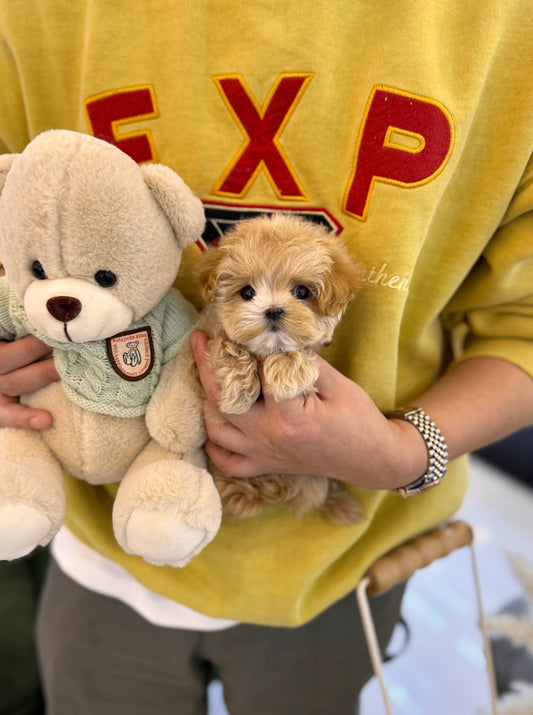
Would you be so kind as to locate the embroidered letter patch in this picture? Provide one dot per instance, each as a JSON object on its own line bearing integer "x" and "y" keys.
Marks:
{"x": 404, "y": 139}
{"x": 131, "y": 353}
{"x": 262, "y": 128}
{"x": 107, "y": 113}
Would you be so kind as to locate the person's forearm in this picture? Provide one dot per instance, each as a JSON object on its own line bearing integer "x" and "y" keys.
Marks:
{"x": 477, "y": 402}
{"x": 341, "y": 433}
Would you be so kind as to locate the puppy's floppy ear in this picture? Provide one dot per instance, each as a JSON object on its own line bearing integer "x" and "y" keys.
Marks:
{"x": 183, "y": 209}
{"x": 342, "y": 281}
{"x": 207, "y": 271}
{"x": 6, "y": 161}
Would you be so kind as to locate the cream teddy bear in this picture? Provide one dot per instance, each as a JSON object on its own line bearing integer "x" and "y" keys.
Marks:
{"x": 91, "y": 243}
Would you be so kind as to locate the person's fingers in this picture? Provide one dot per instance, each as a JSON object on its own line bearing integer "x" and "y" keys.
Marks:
{"x": 28, "y": 379}
{"x": 199, "y": 342}
{"x": 21, "y": 352}
{"x": 17, "y": 416}
{"x": 229, "y": 463}
{"x": 224, "y": 432}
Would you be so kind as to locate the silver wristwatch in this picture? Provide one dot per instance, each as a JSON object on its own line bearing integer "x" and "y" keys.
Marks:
{"x": 435, "y": 445}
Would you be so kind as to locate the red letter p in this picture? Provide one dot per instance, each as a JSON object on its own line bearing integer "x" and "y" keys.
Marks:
{"x": 404, "y": 140}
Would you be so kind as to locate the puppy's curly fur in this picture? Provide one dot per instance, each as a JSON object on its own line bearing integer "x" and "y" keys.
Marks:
{"x": 276, "y": 287}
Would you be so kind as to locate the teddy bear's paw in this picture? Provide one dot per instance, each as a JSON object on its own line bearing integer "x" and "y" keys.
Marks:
{"x": 167, "y": 512}
{"x": 22, "y": 529}
{"x": 162, "y": 539}
{"x": 289, "y": 374}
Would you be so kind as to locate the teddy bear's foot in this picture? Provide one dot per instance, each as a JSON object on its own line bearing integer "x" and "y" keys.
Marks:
{"x": 22, "y": 529}
{"x": 163, "y": 540}
{"x": 166, "y": 512}
{"x": 32, "y": 500}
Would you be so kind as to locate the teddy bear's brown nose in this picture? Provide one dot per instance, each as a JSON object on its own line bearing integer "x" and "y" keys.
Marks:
{"x": 63, "y": 308}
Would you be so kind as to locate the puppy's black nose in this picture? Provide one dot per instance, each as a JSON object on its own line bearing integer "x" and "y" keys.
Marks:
{"x": 274, "y": 314}
{"x": 63, "y": 308}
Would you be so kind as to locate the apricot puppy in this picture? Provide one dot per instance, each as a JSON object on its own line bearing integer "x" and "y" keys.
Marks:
{"x": 276, "y": 287}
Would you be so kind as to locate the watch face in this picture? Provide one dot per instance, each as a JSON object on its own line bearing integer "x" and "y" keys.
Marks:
{"x": 419, "y": 486}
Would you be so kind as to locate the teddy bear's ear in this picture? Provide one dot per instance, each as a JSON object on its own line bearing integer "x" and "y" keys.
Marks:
{"x": 183, "y": 209}
{"x": 6, "y": 160}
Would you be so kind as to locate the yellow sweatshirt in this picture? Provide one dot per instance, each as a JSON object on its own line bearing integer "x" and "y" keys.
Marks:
{"x": 405, "y": 126}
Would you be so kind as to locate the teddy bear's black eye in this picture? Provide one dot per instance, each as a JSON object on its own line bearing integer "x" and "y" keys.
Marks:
{"x": 247, "y": 293}
{"x": 106, "y": 279}
{"x": 301, "y": 292}
{"x": 38, "y": 270}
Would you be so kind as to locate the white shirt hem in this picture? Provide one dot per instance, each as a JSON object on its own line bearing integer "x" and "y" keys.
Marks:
{"x": 97, "y": 573}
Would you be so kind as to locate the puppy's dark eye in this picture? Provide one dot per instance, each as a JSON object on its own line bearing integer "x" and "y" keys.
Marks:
{"x": 301, "y": 292}
{"x": 105, "y": 279}
{"x": 247, "y": 293}
{"x": 38, "y": 270}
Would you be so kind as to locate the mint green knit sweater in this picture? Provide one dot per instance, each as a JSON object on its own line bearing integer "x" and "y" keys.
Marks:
{"x": 87, "y": 374}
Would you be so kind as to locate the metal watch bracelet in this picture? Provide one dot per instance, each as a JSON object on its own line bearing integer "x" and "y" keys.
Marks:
{"x": 435, "y": 445}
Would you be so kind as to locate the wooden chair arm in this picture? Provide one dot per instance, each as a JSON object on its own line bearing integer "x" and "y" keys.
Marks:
{"x": 401, "y": 563}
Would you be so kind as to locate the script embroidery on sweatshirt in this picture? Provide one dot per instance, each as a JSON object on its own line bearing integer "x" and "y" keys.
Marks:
{"x": 381, "y": 276}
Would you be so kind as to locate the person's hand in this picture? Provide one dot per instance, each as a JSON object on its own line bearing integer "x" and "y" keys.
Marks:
{"x": 337, "y": 432}
{"x": 25, "y": 366}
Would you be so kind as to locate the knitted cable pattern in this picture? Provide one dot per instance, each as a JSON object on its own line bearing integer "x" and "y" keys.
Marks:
{"x": 87, "y": 375}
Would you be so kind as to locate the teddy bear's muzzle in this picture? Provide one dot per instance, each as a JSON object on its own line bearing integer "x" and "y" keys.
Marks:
{"x": 74, "y": 310}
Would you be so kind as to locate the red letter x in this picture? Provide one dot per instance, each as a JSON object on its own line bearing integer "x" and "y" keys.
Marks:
{"x": 262, "y": 127}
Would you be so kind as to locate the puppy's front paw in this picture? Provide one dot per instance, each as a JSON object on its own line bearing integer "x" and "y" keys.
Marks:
{"x": 236, "y": 374}
{"x": 290, "y": 374}
{"x": 236, "y": 398}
